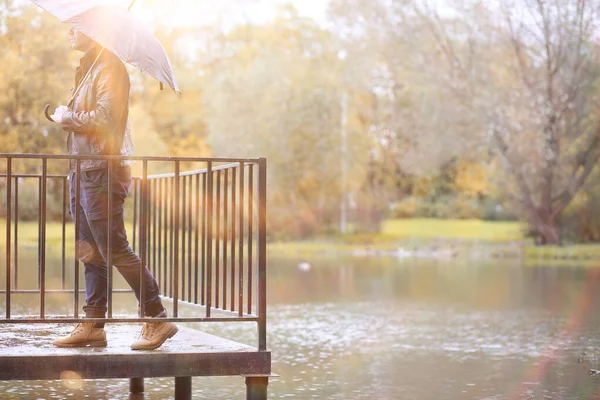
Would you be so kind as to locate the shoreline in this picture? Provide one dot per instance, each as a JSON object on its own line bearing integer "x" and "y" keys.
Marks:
{"x": 445, "y": 249}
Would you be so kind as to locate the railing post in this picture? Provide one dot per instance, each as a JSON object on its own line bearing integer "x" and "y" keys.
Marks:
{"x": 233, "y": 235}
{"x": 143, "y": 235}
{"x": 197, "y": 238}
{"x": 218, "y": 239}
{"x": 262, "y": 254}
{"x": 166, "y": 235}
{"x": 109, "y": 264}
{"x": 135, "y": 212}
{"x": 176, "y": 244}
{"x": 64, "y": 234}
{"x": 225, "y": 232}
{"x": 8, "y": 223}
{"x": 190, "y": 219}
{"x": 160, "y": 206}
{"x": 209, "y": 232}
{"x": 16, "y": 238}
{"x": 76, "y": 219}
{"x": 241, "y": 245}
{"x": 42, "y": 282}
{"x": 250, "y": 233}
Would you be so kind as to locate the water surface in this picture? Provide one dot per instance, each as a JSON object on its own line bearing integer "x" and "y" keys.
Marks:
{"x": 387, "y": 328}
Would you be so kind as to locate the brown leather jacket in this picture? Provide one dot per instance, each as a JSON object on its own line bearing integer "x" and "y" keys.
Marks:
{"x": 97, "y": 120}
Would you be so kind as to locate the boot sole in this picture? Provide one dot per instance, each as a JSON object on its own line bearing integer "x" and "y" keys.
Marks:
{"x": 86, "y": 344}
{"x": 169, "y": 335}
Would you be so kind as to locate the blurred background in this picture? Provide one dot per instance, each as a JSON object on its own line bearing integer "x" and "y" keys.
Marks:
{"x": 367, "y": 110}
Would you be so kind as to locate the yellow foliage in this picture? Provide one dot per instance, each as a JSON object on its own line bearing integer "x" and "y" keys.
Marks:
{"x": 470, "y": 179}
{"x": 422, "y": 186}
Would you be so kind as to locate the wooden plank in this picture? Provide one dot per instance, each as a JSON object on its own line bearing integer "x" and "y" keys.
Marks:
{"x": 27, "y": 353}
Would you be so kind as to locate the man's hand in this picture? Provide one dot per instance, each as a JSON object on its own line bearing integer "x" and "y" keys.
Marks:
{"x": 58, "y": 114}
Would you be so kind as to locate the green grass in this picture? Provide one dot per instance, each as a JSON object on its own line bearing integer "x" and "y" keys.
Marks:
{"x": 405, "y": 233}
{"x": 408, "y": 233}
{"x": 28, "y": 235}
{"x": 423, "y": 228}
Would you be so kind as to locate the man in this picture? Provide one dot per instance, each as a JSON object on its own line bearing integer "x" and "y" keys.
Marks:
{"x": 97, "y": 122}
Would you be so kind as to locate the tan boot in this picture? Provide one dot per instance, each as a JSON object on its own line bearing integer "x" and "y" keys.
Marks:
{"x": 83, "y": 335}
{"x": 154, "y": 335}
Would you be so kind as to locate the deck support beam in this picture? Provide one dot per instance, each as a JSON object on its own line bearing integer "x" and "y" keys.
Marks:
{"x": 183, "y": 388}
{"x": 136, "y": 385}
{"x": 256, "y": 387}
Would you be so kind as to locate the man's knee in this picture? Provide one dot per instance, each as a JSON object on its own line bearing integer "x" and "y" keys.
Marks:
{"x": 88, "y": 252}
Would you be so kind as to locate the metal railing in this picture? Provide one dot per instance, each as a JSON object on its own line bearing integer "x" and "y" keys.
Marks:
{"x": 202, "y": 234}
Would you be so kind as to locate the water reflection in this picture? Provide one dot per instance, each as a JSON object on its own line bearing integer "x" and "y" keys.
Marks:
{"x": 382, "y": 328}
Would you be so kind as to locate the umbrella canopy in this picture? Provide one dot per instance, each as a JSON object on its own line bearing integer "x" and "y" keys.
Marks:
{"x": 118, "y": 30}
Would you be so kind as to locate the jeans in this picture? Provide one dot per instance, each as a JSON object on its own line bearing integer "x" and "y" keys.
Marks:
{"x": 92, "y": 241}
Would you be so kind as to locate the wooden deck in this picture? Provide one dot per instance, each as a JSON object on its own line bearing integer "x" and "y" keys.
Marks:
{"x": 27, "y": 353}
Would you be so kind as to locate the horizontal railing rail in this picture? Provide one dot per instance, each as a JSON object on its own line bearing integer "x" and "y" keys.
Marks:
{"x": 202, "y": 233}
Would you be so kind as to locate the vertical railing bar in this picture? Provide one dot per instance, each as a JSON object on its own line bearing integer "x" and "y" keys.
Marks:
{"x": 190, "y": 220}
{"x": 171, "y": 230}
{"x": 43, "y": 238}
{"x": 148, "y": 231}
{"x": 233, "y": 234}
{"x": 109, "y": 264}
{"x": 159, "y": 223}
{"x": 209, "y": 227}
{"x": 203, "y": 267}
{"x": 196, "y": 238}
{"x": 135, "y": 212}
{"x": 183, "y": 229}
{"x": 218, "y": 240}
{"x": 149, "y": 226}
{"x": 262, "y": 254}
{"x": 148, "y": 214}
{"x": 164, "y": 281}
{"x": 225, "y": 234}
{"x": 64, "y": 235}
{"x": 241, "y": 245}
{"x": 250, "y": 233}
{"x": 39, "y": 230}
{"x": 16, "y": 239}
{"x": 148, "y": 236}
{"x": 143, "y": 235}
{"x": 77, "y": 220}
{"x": 176, "y": 244}
{"x": 154, "y": 224}
{"x": 8, "y": 232}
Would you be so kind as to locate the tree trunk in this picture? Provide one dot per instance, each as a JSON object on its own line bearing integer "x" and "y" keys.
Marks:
{"x": 547, "y": 232}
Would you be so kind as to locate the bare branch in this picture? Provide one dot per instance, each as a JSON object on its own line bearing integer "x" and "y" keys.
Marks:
{"x": 587, "y": 161}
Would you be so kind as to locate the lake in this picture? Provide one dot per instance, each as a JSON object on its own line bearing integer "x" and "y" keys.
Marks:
{"x": 388, "y": 328}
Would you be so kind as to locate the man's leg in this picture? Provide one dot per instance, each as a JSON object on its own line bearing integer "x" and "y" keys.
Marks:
{"x": 128, "y": 263}
{"x": 94, "y": 195}
{"x": 95, "y": 273}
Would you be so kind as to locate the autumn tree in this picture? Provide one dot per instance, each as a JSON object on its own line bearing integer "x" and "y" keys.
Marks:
{"x": 531, "y": 74}
{"x": 273, "y": 90}
{"x": 416, "y": 130}
{"x": 35, "y": 71}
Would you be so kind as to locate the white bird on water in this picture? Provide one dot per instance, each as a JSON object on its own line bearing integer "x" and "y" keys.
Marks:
{"x": 304, "y": 266}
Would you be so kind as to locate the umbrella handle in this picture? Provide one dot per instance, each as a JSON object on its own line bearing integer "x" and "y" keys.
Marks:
{"x": 47, "y": 114}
